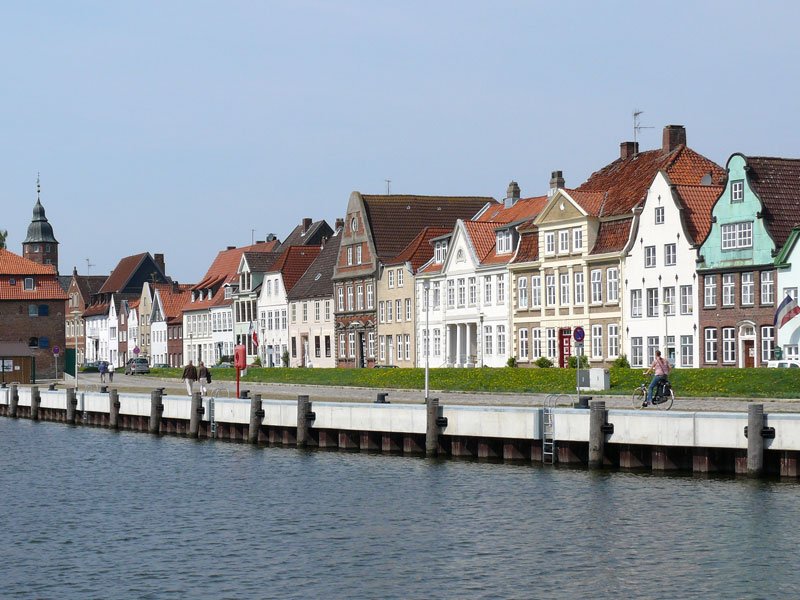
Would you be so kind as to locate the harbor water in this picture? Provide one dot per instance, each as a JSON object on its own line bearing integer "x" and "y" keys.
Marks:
{"x": 92, "y": 513}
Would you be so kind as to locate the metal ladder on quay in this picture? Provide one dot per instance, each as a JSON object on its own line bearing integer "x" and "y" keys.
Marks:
{"x": 549, "y": 430}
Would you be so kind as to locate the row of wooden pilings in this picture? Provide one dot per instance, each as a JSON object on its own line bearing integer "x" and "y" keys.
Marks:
{"x": 755, "y": 432}
{"x": 305, "y": 415}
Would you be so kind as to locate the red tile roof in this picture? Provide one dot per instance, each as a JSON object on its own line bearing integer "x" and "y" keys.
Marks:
{"x": 697, "y": 201}
{"x": 395, "y": 220}
{"x": 95, "y": 310}
{"x": 612, "y": 236}
{"x": 174, "y": 302}
{"x": 316, "y": 281}
{"x": 419, "y": 250}
{"x": 13, "y": 264}
{"x": 624, "y": 182}
{"x": 777, "y": 183}
{"x": 122, "y": 273}
{"x": 525, "y": 208}
{"x": 15, "y": 267}
{"x": 483, "y": 238}
{"x": 528, "y": 250}
{"x": 293, "y": 262}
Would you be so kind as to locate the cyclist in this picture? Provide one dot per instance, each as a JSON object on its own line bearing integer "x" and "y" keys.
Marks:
{"x": 660, "y": 370}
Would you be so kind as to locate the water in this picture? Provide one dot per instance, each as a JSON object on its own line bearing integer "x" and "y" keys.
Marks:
{"x": 89, "y": 513}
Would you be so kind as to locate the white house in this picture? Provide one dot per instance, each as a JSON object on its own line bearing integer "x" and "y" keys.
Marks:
{"x": 788, "y": 265}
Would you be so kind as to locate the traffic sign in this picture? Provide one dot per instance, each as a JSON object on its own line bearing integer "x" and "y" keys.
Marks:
{"x": 578, "y": 334}
{"x": 56, "y": 350}
{"x": 136, "y": 350}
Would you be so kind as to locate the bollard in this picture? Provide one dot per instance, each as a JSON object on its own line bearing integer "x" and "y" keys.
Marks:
{"x": 381, "y": 398}
{"x": 113, "y": 409}
{"x": 244, "y": 395}
{"x": 304, "y": 416}
{"x": 156, "y": 408}
{"x": 72, "y": 402}
{"x": 197, "y": 411}
{"x": 755, "y": 442}
{"x": 597, "y": 437}
{"x": 256, "y": 417}
{"x": 12, "y": 410}
{"x": 36, "y": 400}
{"x": 431, "y": 428}
{"x": 52, "y": 387}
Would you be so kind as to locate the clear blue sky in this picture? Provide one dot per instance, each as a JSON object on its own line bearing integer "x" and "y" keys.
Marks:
{"x": 177, "y": 127}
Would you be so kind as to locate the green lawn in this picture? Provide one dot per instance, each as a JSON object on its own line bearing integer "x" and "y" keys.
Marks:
{"x": 741, "y": 383}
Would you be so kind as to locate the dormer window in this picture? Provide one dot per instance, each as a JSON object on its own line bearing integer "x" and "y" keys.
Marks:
{"x": 244, "y": 282}
{"x": 192, "y": 295}
{"x": 228, "y": 293}
{"x": 439, "y": 251}
{"x": 737, "y": 191}
{"x": 208, "y": 294}
{"x": 28, "y": 286}
{"x": 503, "y": 239}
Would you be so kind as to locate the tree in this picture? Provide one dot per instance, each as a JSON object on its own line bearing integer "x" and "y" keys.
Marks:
{"x": 3, "y": 236}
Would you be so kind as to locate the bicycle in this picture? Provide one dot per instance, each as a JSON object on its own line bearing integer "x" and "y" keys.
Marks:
{"x": 663, "y": 397}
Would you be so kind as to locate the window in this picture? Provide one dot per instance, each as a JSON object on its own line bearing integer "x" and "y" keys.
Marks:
{"x": 391, "y": 278}
{"x": 767, "y": 288}
{"x": 400, "y": 277}
{"x": 649, "y": 257}
{"x": 597, "y": 341}
{"x": 381, "y": 311}
{"x": 670, "y": 254}
{"x": 501, "y": 339}
{"x": 579, "y": 289}
{"x": 294, "y": 347}
{"x": 33, "y": 310}
{"x": 488, "y": 336}
{"x": 536, "y": 291}
{"x": 437, "y": 342}
{"x": 399, "y": 347}
{"x": 728, "y": 345}
{"x": 523, "y": 344}
{"x": 637, "y": 355}
{"x": 710, "y": 290}
{"x": 305, "y": 312}
{"x": 737, "y": 191}
{"x": 351, "y": 342}
{"x": 659, "y": 215}
{"x": 487, "y": 289}
{"x": 550, "y": 290}
{"x": 652, "y": 346}
{"x": 28, "y": 284}
{"x": 388, "y": 311}
{"x": 358, "y": 254}
{"x": 407, "y": 344}
{"x": 612, "y": 285}
{"x": 349, "y": 255}
{"x": 462, "y": 294}
{"x": 563, "y": 241}
{"x": 577, "y": 239}
{"x": 426, "y": 351}
{"x": 652, "y": 302}
{"x": 473, "y": 291}
{"x": 354, "y": 224}
{"x": 451, "y": 293}
{"x": 283, "y": 318}
{"x": 437, "y": 294}
{"x": 382, "y": 346}
{"x": 536, "y": 344}
{"x": 669, "y": 301}
{"x": 349, "y": 297}
{"x": 552, "y": 347}
{"x": 522, "y": 289}
{"x": 359, "y": 297}
{"x": 597, "y": 287}
{"x": 327, "y": 310}
{"x": 613, "y": 341}
{"x": 767, "y": 341}
{"x": 408, "y": 309}
{"x": 340, "y": 303}
{"x": 737, "y": 235}
{"x": 440, "y": 249}
{"x": 370, "y": 297}
{"x": 727, "y": 289}
{"x": 564, "y": 288}
{"x": 687, "y": 351}
{"x": 550, "y": 243}
{"x": 501, "y": 289}
{"x": 504, "y": 241}
{"x": 636, "y": 303}
{"x": 687, "y": 302}
{"x": 748, "y": 289}
{"x": 398, "y": 309}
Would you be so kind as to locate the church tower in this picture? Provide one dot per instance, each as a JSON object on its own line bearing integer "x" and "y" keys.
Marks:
{"x": 40, "y": 245}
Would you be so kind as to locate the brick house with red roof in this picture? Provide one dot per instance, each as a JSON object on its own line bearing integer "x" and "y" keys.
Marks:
{"x": 32, "y": 308}
{"x": 80, "y": 290}
{"x": 378, "y": 228}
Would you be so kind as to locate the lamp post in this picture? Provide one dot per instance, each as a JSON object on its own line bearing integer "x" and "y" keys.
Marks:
{"x": 75, "y": 315}
{"x": 426, "y": 286}
{"x": 480, "y": 337}
{"x": 667, "y": 308}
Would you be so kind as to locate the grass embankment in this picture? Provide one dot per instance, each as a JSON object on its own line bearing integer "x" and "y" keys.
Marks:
{"x": 733, "y": 383}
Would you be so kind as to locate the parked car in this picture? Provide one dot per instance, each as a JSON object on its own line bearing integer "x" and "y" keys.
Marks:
{"x": 137, "y": 365}
{"x": 385, "y": 366}
{"x": 783, "y": 364}
{"x": 225, "y": 364}
{"x": 161, "y": 366}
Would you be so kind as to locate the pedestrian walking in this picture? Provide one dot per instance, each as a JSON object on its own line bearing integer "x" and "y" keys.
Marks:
{"x": 111, "y": 372}
{"x": 189, "y": 376}
{"x": 103, "y": 368}
{"x": 204, "y": 377}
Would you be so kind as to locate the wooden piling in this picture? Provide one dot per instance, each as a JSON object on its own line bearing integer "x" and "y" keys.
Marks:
{"x": 755, "y": 443}
{"x": 156, "y": 409}
{"x": 36, "y": 400}
{"x": 432, "y": 429}
{"x": 303, "y": 423}
{"x": 72, "y": 404}
{"x": 256, "y": 418}
{"x": 597, "y": 437}
{"x": 196, "y": 413}
{"x": 113, "y": 409}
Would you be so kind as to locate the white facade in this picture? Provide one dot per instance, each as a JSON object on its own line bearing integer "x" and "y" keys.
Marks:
{"x": 221, "y": 331}
{"x": 313, "y": 332}
{"x": 133, "y": 332}
{"x": 158, "y": 332}
{"x": 788, "y": 336}
{"x": 273, "y": 322}
{"x": 113, "y": 335}
{"x": 659, "y": 291}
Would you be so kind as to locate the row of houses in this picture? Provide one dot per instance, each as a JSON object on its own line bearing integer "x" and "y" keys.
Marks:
{"x": 659, "y": 249}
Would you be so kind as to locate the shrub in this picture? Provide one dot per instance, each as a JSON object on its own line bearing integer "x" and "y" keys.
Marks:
{"x": 256, "y": 362}
{"x": 543, "y": 362}
{"x": 622, "y": 362}
{"x": 511, "y": 362}
{"x": 572, "y": 363}
{"x": 285, "y": 358}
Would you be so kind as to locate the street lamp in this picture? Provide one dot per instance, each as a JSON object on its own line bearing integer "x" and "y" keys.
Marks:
{"x": 426, "y": 286}
{"x": 480, "y": 337}
{"x": 75, "y": 314}
{"x": 667, "y": 311}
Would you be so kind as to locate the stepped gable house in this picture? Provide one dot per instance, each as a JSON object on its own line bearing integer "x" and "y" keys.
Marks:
{"x": 80, "y": 291}
{"x": 377, "y": 228}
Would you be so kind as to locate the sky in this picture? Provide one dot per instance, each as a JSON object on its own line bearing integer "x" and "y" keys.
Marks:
{"x": 185, "y": 127}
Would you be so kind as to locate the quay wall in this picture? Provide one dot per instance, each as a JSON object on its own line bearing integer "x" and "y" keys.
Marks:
{"x": 634, "y": 439}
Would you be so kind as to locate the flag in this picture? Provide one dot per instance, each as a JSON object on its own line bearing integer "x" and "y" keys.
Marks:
{"x": 786, "y": 311}
{"x": 253, "y": 333}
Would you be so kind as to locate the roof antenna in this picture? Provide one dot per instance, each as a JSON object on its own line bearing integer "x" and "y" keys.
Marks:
{"x": 252, "y": 236}
{"x": 388, "y": 186}
{"x": 636, "y": 126}
{"x": 89, "y": 265}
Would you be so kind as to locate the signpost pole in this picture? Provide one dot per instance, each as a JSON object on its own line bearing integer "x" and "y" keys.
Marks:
{"x": 578, "y": 334}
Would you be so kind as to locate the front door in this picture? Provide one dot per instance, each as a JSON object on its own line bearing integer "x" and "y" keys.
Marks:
{"x": 565, "y": 344}
{"x": 749, "y": 353}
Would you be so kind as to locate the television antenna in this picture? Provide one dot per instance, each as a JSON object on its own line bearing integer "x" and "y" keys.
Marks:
{"x": 637, "y": 126}
{"x": 89, "y": 266}
{"x": 388, "y": 186}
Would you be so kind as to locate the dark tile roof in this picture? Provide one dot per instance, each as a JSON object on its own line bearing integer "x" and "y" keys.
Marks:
{"x": 65, "y": 281}
{"x": 528, "y": 250}
{"x": 311, "y": 237}
{"x": 419, "y": 250}
{"x": 612, "y": 236}
{"x": 125, "y": 271}
{"x": 777, "y": 183}
{"x": 316, "y": 281}
{"x": 625, "y": 181}
{"x": 261, "y": 262}
{"x": 697, "y": 201}
{"x": 395, "y": 220}
{"x": 89, "y": 284}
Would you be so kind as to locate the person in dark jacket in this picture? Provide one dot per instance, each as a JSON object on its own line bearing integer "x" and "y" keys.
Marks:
{"x": 189, "y": 376}
{"x": 204, "y": 376}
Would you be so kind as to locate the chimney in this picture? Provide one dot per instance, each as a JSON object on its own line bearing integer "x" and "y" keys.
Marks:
{"x": 628, "y": 150}
{"x": 159, "y": 260}
{"x": 556, "y": 182}
{"x": 175, "y": 287}
{"x": 674, "y": 136}
{"x": 231, "y": 248}
{"x": 306, "y": 224}
{"x": 271, "y": 237}
{"x": 512, "y": 195}
{"x": 339, "y": 224}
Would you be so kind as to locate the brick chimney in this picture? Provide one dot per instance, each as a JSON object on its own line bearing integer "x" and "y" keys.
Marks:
{"x": 674, "y": 136}
{"x": 512, "y": 194}
{"x": 556, "y": 181}
{"x": 339, "y": 224}
{"x": 628, "y": 150}
{"x": 159, "y": 260}
{"x": 231, "y": 248}
{"x": 306, "y": 225}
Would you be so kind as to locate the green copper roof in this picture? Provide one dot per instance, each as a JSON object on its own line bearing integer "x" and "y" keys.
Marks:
{"x": 40, "y": 229}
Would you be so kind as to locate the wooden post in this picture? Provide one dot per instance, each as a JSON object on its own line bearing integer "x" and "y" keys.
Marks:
{"x": 303, "y": 426}
{"x": 113, "y": 409}
{"x": 755, "y": 443}
{"x": 12, "y": 409}
{"x": 256, "y": 417}
{"x": 156, "y": 408}
{"x": 597, "y": 438}
{"x": 195, "y": 415}
{"x": 432, "y": 429}
{"x": 72, "y": 403}
{"x": 36, "y": 400}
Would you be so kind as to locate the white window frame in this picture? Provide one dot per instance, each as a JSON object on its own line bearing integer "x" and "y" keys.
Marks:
{"x": 596, "y": 276}
{"x": 767, "y": 287}
{"x": 709, "y": 290}
{"x": 612, "y": 285}
{"x": 747, "y": 289}
{"x": 670, "y": 255}
{"x": 563, "y": 241}
{"x": 564, "y": 291}
{"x": 597, "y": 342}
{"x": 577, "y": 239}
{"x": 636, "y": 304}
{"x": 687, "y": 300}
{"x": 649, "y": 257}
{"x": 580, "y": 289}
{"x": 737, "y": 191}
{"x": 728, "y": 345}
{"x": 728, "y": 289}
{"x": 522, "y": 292}
{"x": 659, "y": 215}
{"x": 550, "y": 290}
{"x": 613, "y": 340}
{"x": 549, "y": 243}
{"x": 523, "y": 344}
{"x": 536, "y": 291}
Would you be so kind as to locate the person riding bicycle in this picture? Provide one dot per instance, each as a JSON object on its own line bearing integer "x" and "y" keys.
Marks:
{"x": 660, "y": 370}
